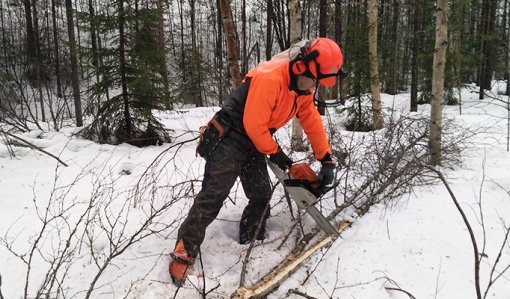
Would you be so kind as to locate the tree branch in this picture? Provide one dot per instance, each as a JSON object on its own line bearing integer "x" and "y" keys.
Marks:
{"x": 33, "y": 146}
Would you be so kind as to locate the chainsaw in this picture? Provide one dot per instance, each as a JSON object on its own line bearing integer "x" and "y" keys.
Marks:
{"x": 303, "y": 186}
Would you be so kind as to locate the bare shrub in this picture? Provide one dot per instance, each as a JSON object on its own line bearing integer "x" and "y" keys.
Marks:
{"x": 89, "y": 233}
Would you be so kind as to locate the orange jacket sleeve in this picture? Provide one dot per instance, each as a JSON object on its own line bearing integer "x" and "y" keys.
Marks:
{"x": 311, "y": 122}
{"x": 260, "y": 102}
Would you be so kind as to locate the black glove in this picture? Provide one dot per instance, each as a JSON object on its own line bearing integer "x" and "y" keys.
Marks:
{"x": 281, "y": 159}
{"x": 327, "y": 174}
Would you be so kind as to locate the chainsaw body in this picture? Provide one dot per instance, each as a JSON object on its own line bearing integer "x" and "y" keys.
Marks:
{"x": 303, "y": 186}
{"x": 302, "y": 175}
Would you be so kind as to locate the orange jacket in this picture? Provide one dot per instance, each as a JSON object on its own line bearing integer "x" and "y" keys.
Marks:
{"x": 271, "y": 104}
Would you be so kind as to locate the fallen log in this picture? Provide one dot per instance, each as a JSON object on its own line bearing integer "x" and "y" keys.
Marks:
{"x": 289, "y": 265}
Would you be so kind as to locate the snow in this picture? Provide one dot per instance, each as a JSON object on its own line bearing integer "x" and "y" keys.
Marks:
{"x": 420, "y": 245}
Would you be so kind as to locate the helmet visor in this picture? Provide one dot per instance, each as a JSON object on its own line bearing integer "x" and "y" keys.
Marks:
{"x": 329, "y": 79}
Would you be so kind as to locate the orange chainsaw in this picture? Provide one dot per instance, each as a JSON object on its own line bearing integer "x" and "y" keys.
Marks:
{"x": 301, "y": 174}
{"x": 303, "y": 186}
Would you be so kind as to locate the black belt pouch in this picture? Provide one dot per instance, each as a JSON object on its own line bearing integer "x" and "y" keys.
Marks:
{"x": 212, "y": 134}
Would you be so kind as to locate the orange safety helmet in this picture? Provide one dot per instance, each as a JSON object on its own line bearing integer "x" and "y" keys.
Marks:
{"x": 322, "y": 60}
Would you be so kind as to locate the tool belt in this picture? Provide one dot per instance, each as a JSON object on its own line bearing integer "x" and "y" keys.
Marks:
{"x": 213, "y": 133}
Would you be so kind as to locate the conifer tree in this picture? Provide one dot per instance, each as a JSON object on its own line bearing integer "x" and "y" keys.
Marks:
{"x": 130, "y": 68}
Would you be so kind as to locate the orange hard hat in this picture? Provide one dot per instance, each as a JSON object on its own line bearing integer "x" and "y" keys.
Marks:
{"x": 326, "y": 60}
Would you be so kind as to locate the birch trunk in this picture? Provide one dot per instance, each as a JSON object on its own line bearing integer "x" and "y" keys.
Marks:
{"x": 436, "y": 113}
{"x": 374, "y": 67}
{"x": 295, "y": 10}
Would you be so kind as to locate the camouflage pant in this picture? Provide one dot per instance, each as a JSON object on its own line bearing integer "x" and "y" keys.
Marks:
{"x": 234, "y": 157}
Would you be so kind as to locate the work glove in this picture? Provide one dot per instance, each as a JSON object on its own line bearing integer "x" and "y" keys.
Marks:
{"x": 281, "y": 159}
{"x": 327, "y": 174}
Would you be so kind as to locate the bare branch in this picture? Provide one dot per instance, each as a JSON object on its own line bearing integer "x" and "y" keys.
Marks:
{"x": 33, "y": 146}
{"x": 304, "y": 295}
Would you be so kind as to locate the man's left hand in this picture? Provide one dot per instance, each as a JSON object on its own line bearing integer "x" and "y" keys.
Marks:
{"x": 327, "y": 174}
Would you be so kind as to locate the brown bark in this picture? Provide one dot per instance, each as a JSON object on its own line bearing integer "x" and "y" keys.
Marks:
{"x": 56, "y": 45}
{"x": 196, "y": 58}
{"x": 219, "y": 53}
{"x": 337, "y": 92}
{"x": 161, "y": 40}
{"x": 414, "y": 58}
{"x": 38, "y": 58}
{"x": 323, "y": 30}
{"x": 269, "y": 30}
{"x": 74, "y": 63}
{"x": 30, "y": 31}
{"x": 123, "y": 68}
{"x": 392, "y": 79}
{"x": 230, "y": 33}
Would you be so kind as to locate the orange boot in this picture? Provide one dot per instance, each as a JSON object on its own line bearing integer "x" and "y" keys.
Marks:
{"x": 181, "y": 264}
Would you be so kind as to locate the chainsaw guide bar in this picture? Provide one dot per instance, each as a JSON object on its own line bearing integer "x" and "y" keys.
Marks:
{"x": 304, "y": 198}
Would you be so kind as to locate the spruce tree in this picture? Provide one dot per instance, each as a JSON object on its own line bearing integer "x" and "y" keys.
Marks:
{"x": 130, "y": 85}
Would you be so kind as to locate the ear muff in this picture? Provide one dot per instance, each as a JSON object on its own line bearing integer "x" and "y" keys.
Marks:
{"x": 298, "y": 67}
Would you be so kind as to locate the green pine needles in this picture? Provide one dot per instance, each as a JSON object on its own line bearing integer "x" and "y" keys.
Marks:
{"x": 128, "y": 85}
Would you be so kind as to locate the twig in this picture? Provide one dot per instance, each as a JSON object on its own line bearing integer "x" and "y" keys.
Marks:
{"x": 1, "y": 296}
{"x": 468, "y": 226}
{"x": 492, "y": 280}
{"x": 397, "y": 287}
{"x": 388, "y": 229}
{"x": 33, "y": 146}
{"x": 304, "y": 295}
{"x": 400, "y": 290}
{"x": 252, "y": 244}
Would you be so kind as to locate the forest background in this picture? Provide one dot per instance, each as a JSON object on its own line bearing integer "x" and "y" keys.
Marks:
{"x": 134, "y": 72}
{"x": 114, "y": 62}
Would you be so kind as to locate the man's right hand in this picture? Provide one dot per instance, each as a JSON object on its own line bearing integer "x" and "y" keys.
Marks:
{"x": 281, "y": 159}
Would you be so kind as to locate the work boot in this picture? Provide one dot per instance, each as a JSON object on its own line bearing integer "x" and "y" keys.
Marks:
{"x": 248, "y": 226}
{"x": 181, "y": 264}
{"x": 246, "y": 233}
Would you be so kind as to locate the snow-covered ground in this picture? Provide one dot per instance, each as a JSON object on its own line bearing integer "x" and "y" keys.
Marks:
{"x": 420, "y": 246}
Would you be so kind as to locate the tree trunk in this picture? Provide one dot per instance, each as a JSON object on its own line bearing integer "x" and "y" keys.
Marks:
{"x": 337, "y": 92}
{"x": 230, "y": 32}
{"x": 93, "y": 37}
{"x": 269, "y": 30}
{"x": 392, "y": 78}
{"x": 414, "y": 56}
{"x": 487, "y": 45}
{"x": 74, "y": 63}
{"x": 30, "y": 32}
{"x": 279, "y": 24}
{"x": 438, "y": 81}
{"x": 323, "y": 31}
{"x": 458, "y": 40}
{"x": 163, "y": 70}
{"x": 508, "y": 66}
{"x": 374, "y": 64}
{"x": 183, "y": 49}
{"x": 244, "y": 56}
{"x": 219, "y": 52}
{"x": 490, "y": 45}
{"x": 38, "y": 58}
{"x": 295, "y": 21}
{"x": 197, "y": 94}
{"x": 123, "y": 69}
{"x": 56, "y": 45}
{"x": 295, "y": 11}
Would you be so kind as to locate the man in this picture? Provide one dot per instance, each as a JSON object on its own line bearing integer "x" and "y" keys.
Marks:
{"x": 239, "y": 137}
